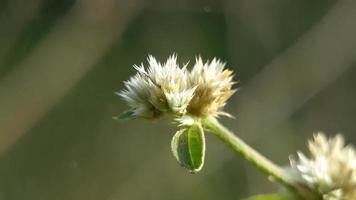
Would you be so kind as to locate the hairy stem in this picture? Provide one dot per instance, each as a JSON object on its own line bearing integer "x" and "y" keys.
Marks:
{"x": 248, "y": 153}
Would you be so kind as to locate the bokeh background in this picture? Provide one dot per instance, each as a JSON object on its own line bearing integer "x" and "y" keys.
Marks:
{"x": 62, "y": 60}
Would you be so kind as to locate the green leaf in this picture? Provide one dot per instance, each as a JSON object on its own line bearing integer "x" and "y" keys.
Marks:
{"x": 127, "y": 115}
{"x": 188, "y": 147}
{"x": 268, "y": 197}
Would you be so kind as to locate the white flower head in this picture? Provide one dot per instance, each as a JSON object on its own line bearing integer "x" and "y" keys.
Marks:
{"x": 214, "y": 84}
{"x": 168, "y": 88}
{"x": 330, "y": 170}
{"x": 141, "y": 94}
{"x": 158, "y": 89}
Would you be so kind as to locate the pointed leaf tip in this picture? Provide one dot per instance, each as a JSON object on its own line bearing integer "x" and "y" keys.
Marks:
{"x": 188, "y": 147}
{"x": 127, "y": 115}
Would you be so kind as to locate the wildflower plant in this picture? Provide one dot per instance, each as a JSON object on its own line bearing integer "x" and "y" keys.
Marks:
{"x": 196, "y": 97}
{"x": 190, "y": 96}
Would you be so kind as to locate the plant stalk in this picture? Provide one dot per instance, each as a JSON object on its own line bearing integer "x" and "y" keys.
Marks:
{"x": 247, "y": 152}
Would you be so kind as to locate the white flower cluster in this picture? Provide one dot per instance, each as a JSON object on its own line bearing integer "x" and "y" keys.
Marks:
{"x": 168, "y": 88}
{"x": 331, "y": 169}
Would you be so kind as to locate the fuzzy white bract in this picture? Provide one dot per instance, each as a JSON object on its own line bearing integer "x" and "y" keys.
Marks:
{"x": 214, "y": 84}
{"x": 168, "y": 88}
{"x": 330, "y": 170}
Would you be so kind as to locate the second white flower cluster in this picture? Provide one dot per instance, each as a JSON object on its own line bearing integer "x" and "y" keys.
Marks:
{"x": 330, "y": 171}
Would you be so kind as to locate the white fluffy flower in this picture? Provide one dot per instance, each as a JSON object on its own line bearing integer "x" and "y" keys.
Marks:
{"x": 330, "y": 170}
{"x": 158, "y": 89}
{"x": 167, "y": 88}
{"x": 214, "y": 84}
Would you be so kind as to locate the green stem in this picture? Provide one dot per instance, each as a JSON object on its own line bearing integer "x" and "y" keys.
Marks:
{"x": 247, "y": 152}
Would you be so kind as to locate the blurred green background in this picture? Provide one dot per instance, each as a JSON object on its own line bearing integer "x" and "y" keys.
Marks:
{"x": 62, "y": 60}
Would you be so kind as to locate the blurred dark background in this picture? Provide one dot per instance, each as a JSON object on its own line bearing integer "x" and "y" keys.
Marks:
{"x": 62, "y": 60}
